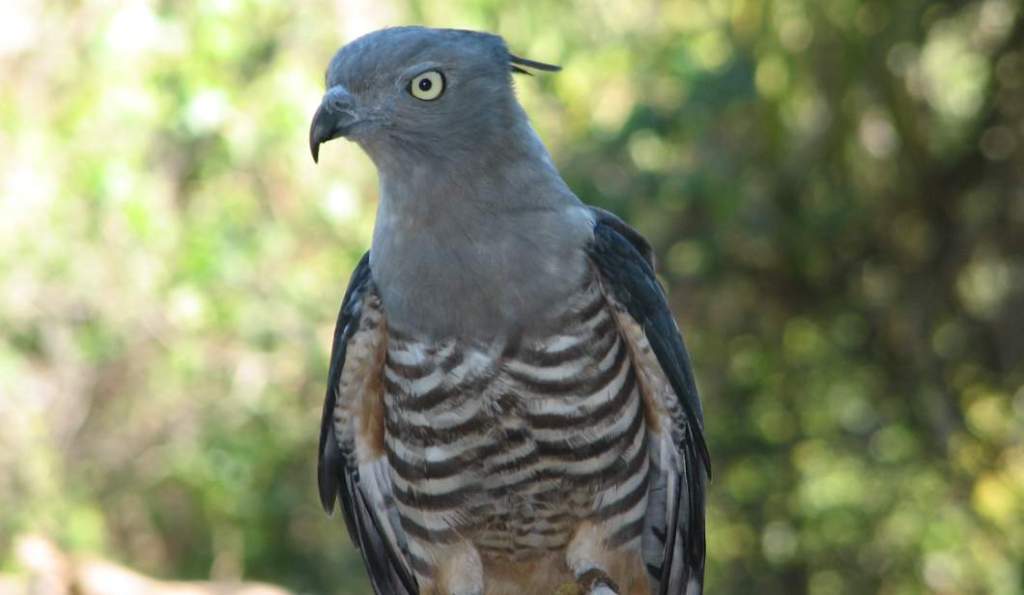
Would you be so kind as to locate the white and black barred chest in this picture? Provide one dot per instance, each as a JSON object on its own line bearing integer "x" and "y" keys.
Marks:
{"x": 511, "y": 446}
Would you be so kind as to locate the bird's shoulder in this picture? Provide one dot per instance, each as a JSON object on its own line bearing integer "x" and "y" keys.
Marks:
{"x": 606, "y": 220}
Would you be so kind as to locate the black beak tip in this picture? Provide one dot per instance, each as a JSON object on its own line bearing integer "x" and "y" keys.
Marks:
{"x": 316, "y": 133}
{"x": 314, "y": 139}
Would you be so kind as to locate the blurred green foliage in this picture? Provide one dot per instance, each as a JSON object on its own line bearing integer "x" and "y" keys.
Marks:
{"x": 835, "y": 189}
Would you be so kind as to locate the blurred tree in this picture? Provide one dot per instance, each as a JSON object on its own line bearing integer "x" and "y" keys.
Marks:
{"x": 835, "y": 189}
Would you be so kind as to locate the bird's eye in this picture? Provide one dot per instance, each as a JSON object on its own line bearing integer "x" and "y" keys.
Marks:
{"x": 427, "y": 86}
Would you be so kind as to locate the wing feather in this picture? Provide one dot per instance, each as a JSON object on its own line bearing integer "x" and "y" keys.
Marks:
{"x": 341, "y": 464}
{"x": 624, "y": 261}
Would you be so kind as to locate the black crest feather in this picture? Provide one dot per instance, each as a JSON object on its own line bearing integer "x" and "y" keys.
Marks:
{"x": 518, "y": 64}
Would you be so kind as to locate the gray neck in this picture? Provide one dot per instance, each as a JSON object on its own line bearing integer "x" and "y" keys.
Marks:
{"x": 476, "y": 245}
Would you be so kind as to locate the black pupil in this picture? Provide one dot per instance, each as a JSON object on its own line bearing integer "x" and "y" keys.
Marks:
{"x": 425, "y": 84}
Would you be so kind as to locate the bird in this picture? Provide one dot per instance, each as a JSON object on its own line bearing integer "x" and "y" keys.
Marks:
{"x": 510, "y": 406}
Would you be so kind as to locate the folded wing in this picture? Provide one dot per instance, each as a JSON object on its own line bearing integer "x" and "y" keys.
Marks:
{"x": 674, "y": 542}
{"x": 352, "y": 467}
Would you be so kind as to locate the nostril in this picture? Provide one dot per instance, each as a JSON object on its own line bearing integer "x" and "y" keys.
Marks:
{"x": 339, "y": 100}
{"x": 339, "y": 106}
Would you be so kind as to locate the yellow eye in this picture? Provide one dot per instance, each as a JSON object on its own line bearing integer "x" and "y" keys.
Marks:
{"x": 427, "y": 86}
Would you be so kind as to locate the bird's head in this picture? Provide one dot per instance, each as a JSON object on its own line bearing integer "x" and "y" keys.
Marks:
{"x": 414, "y": 91}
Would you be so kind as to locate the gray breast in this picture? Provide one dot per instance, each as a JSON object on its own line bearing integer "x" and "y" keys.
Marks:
{"x": 478, "y": 274}
{"x": 514, "y": 443}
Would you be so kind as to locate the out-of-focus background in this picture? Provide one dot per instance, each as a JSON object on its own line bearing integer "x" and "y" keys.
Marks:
{"x": 835, "y": 189}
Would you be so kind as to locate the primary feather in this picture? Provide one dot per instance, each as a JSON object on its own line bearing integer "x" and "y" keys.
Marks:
{"x": 510, "y": 405}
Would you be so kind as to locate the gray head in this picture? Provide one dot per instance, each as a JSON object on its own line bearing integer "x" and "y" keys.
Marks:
{"x": 407, "y": 92}
{"x": 476, "y": 231}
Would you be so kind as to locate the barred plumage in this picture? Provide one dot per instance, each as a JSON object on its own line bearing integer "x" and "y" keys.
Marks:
{"x": 537, "y": 436}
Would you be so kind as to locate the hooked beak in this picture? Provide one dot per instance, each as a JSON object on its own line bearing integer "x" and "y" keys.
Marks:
{"x": 335, "y": 117}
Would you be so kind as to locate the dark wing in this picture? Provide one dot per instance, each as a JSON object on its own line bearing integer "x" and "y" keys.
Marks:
{"x": 358, "y": 479}
{"x": 624, "y": 260}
